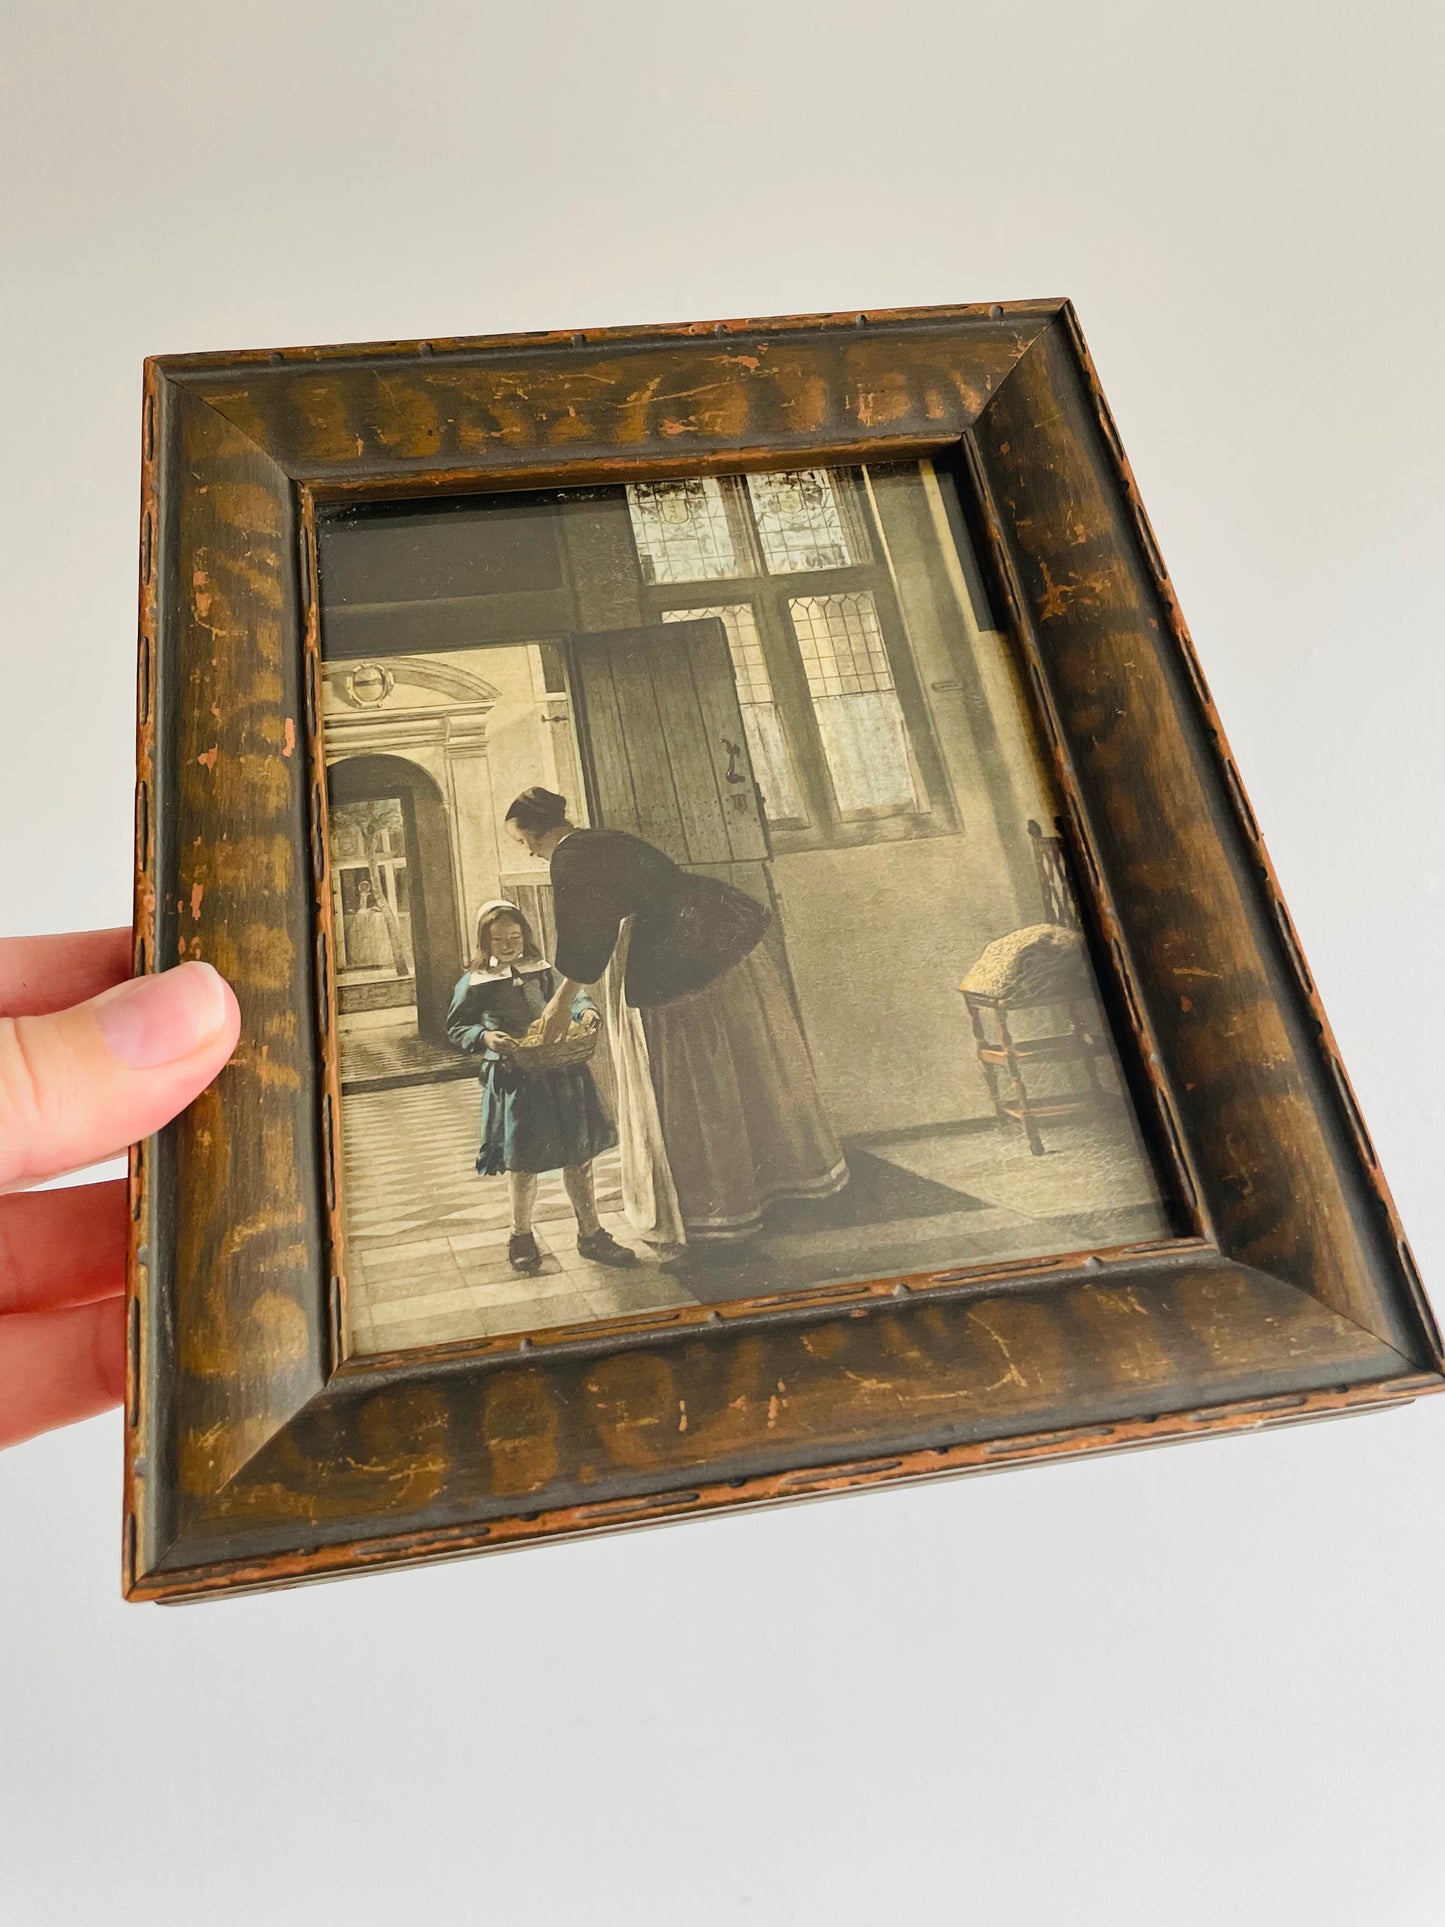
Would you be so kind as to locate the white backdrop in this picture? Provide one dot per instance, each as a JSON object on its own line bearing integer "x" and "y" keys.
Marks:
{"x": 1177, "y": 1689}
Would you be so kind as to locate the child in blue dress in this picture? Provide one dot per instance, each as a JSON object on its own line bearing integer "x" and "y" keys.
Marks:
{"x": 532, "y": 1121}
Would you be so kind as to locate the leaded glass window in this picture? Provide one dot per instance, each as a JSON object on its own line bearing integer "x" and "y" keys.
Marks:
{"x": 803, "y": 523}
{"x": 859, "y": 716}
{"x": 683, "y": 531}
{"x": 838, "y": 742}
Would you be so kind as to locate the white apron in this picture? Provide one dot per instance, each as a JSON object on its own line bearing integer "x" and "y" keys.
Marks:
{"x": 649, "y": 1197}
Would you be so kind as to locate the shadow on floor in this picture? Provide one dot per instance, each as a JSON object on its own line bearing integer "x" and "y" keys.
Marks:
{"x": 877, "y": 1192}
{"x": 391, "y": 1059}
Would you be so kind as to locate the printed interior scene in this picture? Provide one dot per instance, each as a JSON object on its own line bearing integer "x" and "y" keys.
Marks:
{"x": 701, "y": 926}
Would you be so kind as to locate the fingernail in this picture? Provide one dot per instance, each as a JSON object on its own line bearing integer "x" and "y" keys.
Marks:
{"x": 156, "y": 1020}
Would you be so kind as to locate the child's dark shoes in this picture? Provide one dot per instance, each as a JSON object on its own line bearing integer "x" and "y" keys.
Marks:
{"x": 601, "y": 1248}
{"x": 522, "y": 1252}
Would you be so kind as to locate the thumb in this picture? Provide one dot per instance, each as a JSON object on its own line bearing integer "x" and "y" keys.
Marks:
{"x": 80, "y": 1084}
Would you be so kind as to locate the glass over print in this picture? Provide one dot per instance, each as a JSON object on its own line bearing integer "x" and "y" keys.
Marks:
{"x": 702, "y": 926}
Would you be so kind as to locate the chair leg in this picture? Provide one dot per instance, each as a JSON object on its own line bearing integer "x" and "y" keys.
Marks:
{"x": 990, "y": 1075}
{"x": 1016, "y": 1078}
{"x": 1084, "y": 1031}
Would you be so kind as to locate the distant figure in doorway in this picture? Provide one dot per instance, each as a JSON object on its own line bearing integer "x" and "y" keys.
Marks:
{"x": 367, "y": 945}
{"x": 532, "y": 1121}
{"x": 718, "y": 1109}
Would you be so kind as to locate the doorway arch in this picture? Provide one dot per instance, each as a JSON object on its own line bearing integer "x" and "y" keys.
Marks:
{"x": 435, "y": 925}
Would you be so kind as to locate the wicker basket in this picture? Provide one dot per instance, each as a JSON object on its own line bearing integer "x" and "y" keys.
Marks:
{"x": 530, "y": 1054}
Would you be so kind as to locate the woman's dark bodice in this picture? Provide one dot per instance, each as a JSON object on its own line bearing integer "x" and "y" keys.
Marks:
{"x": 686, "y": 929}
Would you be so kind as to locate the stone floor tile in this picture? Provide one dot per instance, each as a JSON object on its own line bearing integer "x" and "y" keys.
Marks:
{"x": 515, "y": 1289}
{"x": 463, "y": 1242}
{"x": 443, "y": 1328}
{"x": 498, "y": 1271}
{"x": 569, "y": 1308}
{"x": 451, "y": 1298}
{"x": 616, "y": 1296}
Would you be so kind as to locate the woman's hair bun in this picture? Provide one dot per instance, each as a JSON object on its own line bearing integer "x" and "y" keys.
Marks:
{"x": 538, "y": 809}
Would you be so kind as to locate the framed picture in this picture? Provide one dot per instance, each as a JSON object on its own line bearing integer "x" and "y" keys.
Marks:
{"x": 759, "y": 976}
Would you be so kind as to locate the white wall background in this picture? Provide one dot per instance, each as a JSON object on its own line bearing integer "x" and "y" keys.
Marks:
{"x": 1174, "y": 1690}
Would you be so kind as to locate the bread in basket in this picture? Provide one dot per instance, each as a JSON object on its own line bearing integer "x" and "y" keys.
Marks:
{"x": 529, "y": 1053}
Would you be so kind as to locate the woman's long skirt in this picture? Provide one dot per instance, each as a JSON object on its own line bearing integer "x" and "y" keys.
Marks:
{"x": 741, "y": 1118}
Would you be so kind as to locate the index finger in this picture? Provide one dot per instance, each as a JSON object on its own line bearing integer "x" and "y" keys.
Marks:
{"x": 41, "y": 974}
{"x": 63, "y": 1247}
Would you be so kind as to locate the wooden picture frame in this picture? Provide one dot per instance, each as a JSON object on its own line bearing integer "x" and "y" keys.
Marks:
{"x": 258, "y": 1453}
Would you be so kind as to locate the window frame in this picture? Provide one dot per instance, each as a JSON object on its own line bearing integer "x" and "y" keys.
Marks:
{"x": 826, "y": 824}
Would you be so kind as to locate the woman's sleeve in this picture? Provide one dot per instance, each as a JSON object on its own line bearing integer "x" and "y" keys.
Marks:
{"x": 588, "y": 904}
{"x": 581, "y": 1004}
{"x": 465, "y": 1035}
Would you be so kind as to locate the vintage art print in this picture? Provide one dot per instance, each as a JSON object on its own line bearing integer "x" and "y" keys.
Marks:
{"x": 758, "y": 973}
{"x": 702, "y": 929}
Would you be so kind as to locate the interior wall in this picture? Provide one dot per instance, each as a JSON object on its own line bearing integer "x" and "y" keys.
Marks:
{"x": 519, "y": 752}
{"x": 879, "y": 937}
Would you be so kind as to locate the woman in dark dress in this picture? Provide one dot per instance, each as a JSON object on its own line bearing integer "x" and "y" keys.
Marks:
{"x": 532, "y": 1121}
{"x": 725, "y": 1115}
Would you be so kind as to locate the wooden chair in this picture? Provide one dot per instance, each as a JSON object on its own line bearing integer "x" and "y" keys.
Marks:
{"x": 1041, "y": 966}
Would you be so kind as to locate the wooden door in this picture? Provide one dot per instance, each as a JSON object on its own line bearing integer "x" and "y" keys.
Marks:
{"x": 665, "y": 754}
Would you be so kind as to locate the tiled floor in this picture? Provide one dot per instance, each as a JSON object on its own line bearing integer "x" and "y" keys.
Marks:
{"x": 427, "y": 1238}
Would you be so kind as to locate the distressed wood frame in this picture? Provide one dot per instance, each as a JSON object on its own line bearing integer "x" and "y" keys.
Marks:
{"x": 257, "y": 1453}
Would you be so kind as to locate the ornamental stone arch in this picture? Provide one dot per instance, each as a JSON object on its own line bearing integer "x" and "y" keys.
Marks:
{"x": 369, "y": 777}
{"x": 353, "y": 683}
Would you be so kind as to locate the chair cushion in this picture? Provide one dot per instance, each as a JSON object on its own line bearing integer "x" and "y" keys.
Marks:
{"x": 1028, "y": 965}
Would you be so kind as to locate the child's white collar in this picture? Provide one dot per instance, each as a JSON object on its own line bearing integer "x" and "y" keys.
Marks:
{"x": 505, "y": 971}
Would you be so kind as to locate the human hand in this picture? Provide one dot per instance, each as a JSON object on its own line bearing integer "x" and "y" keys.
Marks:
{"x": 590, "y": 1019}
{"x": 90, "y": 1061}
{"x": 557, "y": 1017}
{"x": 498, "y": 1040}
